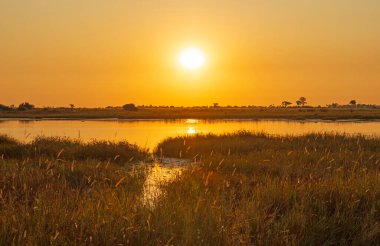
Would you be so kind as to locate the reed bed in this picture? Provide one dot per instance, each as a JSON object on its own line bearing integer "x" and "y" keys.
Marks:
{"x": 68, "y": 203}
{"x": 242, "y": 189}
{"x": 69, "y": 149}
{"x": 318, "y": 189}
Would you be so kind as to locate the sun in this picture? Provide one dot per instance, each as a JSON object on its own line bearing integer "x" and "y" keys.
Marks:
{"x": 192, "y": 58}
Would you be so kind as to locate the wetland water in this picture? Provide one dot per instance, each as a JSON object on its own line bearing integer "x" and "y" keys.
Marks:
{"x": 148, "y": 133}
{"x": 159, "y": 173}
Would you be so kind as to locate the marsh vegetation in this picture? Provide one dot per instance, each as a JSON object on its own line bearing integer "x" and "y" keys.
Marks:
{"x": 241, "y": 188}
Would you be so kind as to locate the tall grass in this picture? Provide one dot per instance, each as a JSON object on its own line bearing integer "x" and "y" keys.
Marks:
{"x": 245, "y": 188}
{"x": 49, "y": 202}
{"x": 69, "y": 149}
{"x": 255, "y": 189}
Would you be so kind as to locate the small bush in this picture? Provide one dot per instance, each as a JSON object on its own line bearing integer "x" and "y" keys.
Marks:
{"x": 130, "y": 107}
{"x": 25, "y": 106}
{"x": 4, "y": 107}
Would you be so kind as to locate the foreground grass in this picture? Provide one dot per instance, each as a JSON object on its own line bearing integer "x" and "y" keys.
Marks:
{"x": 198, "y": 113}
{"x": 52, "y": 202}
{"x": 261, "y": 190}
{"x": 244, "y": 188}
{"x": 62, "y": 191}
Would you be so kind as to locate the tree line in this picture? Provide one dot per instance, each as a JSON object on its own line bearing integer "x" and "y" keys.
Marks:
{"x": 301, "y": 102}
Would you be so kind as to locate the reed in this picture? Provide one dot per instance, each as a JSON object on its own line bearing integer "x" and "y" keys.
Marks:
{"x": 254, "y": 189}
{"x": 242, "y": 188}
{"x": 69, "y": 149}
{"x": 53, "y": 202}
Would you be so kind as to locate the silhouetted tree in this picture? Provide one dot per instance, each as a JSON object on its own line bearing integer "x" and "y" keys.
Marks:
{"x": 130, "y": 107}
{"x": 353, "y": 103}
{"x": 25, "y": 106}
{"x": 216, "y": 105}
{"x": 286, "y": 104}
{"x": 72, "y": 106}
{"x": 301, "y": 101}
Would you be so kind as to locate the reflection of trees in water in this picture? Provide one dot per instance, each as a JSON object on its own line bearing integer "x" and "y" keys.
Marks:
{"x": 24, "y": 121}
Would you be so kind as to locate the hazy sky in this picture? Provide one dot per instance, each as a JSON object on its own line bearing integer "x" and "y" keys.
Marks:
{"x": 99, "y": 53}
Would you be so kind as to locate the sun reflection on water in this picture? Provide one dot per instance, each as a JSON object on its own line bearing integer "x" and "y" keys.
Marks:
{"x": 158, "y": 175}
{"x": 191, "y": 121}
{"x": 191, "y": 130}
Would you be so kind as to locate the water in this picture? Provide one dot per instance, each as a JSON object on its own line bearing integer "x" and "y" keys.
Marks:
{"x": 148, "y": 133}
{"x": 161, "y": 173}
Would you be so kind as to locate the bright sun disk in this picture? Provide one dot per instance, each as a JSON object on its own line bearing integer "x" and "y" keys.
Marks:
{"x": 192, "y": 58}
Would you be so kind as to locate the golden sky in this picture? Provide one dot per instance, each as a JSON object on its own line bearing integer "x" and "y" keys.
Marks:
{"x": 258, "y": 52}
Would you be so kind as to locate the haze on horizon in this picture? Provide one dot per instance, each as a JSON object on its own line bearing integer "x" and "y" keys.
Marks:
{"x": 99, "y": 53}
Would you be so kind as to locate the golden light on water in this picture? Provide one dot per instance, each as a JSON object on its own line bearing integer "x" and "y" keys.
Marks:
{"x": 191, "y": 130}
{"x": 192, "y": 121}
{"x": 192, "y": 58}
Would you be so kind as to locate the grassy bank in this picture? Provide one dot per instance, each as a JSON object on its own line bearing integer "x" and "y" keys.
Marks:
{"x": 245, "y": 188}
{"x": 50, "y": 202}
{"x": 261, "y": 190}
{"x": 199, "y": 113}
{"x": 61, "y": 191}
{"x": 69, "y": 149}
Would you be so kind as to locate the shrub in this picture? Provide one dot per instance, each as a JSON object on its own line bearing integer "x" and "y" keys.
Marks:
{"x": 130, "y": 107}
{"x": 25, "y": 106}
{"x": 4, "y": 107}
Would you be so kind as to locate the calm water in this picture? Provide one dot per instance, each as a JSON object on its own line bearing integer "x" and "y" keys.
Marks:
{"x": 158, "y": 174}
{"x": 147, "y": 133}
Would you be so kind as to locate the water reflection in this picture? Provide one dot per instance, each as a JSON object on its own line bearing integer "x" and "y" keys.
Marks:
{"x": 192, "y": 121}
{"x": 148, "y": 133}
{"x": 160, "y": 174}
{"x": 191, "y": 130}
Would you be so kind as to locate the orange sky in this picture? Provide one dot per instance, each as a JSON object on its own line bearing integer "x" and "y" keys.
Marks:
{"x": 259, "y": 52}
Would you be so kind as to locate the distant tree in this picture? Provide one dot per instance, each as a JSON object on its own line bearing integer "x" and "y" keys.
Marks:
{"x": 353, "y": 103}
{"x": 216, "y": 105}
{"x": 72, "y": 106}
{"x": 334, "y": 105}
{"x": 130, "y": 107}
{"x": 299, "y": 103}
{"x": 285, "y": 104}
{"x": 4, "y": 107}
{"x": 302, "y": 101}
{"x": 25, "y": 106}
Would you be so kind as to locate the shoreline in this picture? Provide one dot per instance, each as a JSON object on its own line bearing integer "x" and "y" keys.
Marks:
{"x": 311, "y": 120}
{"x": 301, "y": 114}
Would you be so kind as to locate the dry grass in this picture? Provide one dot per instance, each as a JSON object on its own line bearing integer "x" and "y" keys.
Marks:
{"x": 44, "y": 202}
{"x": 68, "y": 149}
{"x": 249, "y": 189}
{"x": 261, "y": 190}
